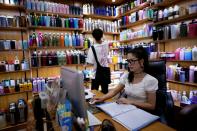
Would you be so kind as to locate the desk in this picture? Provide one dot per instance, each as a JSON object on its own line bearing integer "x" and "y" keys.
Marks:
{"x": 155, "y": 126}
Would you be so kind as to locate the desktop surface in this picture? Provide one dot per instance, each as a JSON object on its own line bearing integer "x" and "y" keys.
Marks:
{"x": 155, "y": 126}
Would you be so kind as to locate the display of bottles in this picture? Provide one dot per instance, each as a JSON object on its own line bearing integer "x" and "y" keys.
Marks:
{"x": 13, "y": 44}
{"x": 136, "y": 16}
{"x": 106, "y": 26}
{"x": 13, "y": 2}
{"x": 13, "y": 65}
{"x": 103, "y": 10}
{"x": 181, "y": 54}
{"x": 182, "y": 74}
{"x": 53, "y": 7}
{"x": 129, "y": 34}
{"x": 11, "y": 86}
{"x": 55, "y": 21}
{"x": 55, "y": 40}
{"x": 13, "y": 21}
{"x": 51, "y": 58}
{"x": 130, "y": 5}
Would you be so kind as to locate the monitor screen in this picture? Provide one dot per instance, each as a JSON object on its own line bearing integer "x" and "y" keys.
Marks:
{"x": 72, "y": 81}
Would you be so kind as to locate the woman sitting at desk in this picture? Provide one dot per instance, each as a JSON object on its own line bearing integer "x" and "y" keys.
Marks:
{"x": 138, "y": 86}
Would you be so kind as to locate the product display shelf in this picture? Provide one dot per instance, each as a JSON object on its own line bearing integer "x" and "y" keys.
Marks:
{"x": 6, "y": 94}
{"x": 54, "y": 66}
{"x": 135, "y": 39}
{"x": 54, "y": 14}
{"x": 185, "y": 83}
{"x": 175, "y": 20}
{"x": 14, "y": 71}
{"x": 140, "y": 22}
{"x": 94, "y": 16}
{"x": 167, "y": 3}
{"x": 105, "y": 33}
{"x": 13, "y": 28}
{"x": 10, "y": 50}
{"x": 15, "y": 127}
{"x": 11, "y": 7}
{"x": 55, "y": 28}
{"x": 189, "y": 61}
{"x": 55, "y": 48}
{"x": 170, "y": 40}
{"x": 137, "y": 8}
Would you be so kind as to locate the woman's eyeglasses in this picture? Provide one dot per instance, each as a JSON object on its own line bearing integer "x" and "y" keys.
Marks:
{"x": 130, "y": 61}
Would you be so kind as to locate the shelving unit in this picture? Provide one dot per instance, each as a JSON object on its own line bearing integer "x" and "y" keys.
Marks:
{"x": 55, "y": 28}
{"x": 140, "y": 22}
{"x": 172, "y": 40}
{"x": 142, "y": 6}
{"x": 11, "y": 7}
{"x": 111, "y": 18}
{"x": 166, "y": 3}
{"x": 14, "y": 71}
{"x": 6, "y": 94}
{"x": 175, "y": 20}
{"x": 105, "y": 33}
{"x": 54, "y": 14}
{"x": 10, "y": 50}
{"x": 13, "y": 28}
{"x": 181, "y": 61}
{"x": 15, "y": 127}
{"x": 55, "y": 48}
{"x": 185, "y": 83}
{"x": 135, "y": 39}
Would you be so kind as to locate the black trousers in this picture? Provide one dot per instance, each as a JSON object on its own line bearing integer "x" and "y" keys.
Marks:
{"x": 95, "y": 86}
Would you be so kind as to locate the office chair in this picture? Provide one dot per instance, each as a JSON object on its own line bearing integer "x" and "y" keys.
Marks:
{"x": 164, "y": 102}
{"x": 187, "y": 118}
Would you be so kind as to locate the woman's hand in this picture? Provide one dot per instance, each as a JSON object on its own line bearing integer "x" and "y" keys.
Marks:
{"x": 96, "y": 100}
{"x": 123, "y": 101}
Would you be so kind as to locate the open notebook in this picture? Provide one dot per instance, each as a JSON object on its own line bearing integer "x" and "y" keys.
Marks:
{"x": 129, "y": 116}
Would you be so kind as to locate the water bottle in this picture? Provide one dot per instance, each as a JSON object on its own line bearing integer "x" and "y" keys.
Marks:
{"x": 194, "y": 53}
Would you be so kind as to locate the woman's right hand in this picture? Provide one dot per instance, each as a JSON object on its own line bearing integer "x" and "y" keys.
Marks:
{"x": 96, "y": 100}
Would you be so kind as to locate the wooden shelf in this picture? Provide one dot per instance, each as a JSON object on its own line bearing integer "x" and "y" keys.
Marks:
{"x": 14, "y": 71}
{"x": 13, "y": 50}
{"x": 185, "y": 83}
{"x": 135, "y": 39}
{"x": 13, "y": 28}
{"x": 6, "y": 94}
{"x": 55, "y": 28}
{"x": 137, "y": 8}
{"x": 175, "y": 20}
{"x": 105, "y": 33}
{"x": 165, "y": 3}
{"x": 11, "y": 7}
{"x": 54, "y": 66}
{"x": 112, "y": 18}
{"x": 15, "y": 127}
{"x": 55, "y": 14}
{"x": 55, "y": 47}
{"x": 171, "y": 40}
{"x": 181, "y": 61}
{"x": 135, "y": 23}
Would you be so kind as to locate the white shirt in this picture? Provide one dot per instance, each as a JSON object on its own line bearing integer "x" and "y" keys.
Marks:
{"x": 138, "y": 91}
{"x": 102, "y": 51}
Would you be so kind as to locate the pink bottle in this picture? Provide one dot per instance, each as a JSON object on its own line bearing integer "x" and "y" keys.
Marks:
{"x": 177, "y": 54}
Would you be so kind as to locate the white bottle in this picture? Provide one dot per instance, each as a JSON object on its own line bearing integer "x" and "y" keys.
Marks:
{"x": 176, "y": 11}
{"x": 190, "y": 94}
{"x": 191, "y": 73}
{"x": 182, "y": 53}
{"x": 194, "y": 53}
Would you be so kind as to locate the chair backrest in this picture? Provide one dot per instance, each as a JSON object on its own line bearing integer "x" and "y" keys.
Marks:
{"x": 164, "y": 102}
{"x": 158, "y": 70}
{"x": 187, "y": 118}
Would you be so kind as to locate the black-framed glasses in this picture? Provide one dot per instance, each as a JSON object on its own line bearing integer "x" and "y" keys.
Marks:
{"x": 131, "y": 61}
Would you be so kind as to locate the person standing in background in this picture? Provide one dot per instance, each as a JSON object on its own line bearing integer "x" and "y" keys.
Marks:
{"x": 102, "y": 50}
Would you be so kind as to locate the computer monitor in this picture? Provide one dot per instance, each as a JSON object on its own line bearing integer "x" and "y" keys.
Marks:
{"x": 72, "y": 81}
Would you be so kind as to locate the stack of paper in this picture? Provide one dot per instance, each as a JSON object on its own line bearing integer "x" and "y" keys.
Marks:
{"x": 129, "y": 116}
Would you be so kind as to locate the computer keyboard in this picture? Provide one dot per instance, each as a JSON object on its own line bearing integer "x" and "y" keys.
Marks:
{"x": 93, "y": 109}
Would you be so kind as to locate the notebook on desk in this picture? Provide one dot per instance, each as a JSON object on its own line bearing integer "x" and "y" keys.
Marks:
{"x": 129, "y": 116}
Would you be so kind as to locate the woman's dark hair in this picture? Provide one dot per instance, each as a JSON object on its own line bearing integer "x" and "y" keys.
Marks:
{"x": 140, "y": 53}
{"x": 97, "y": 34}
